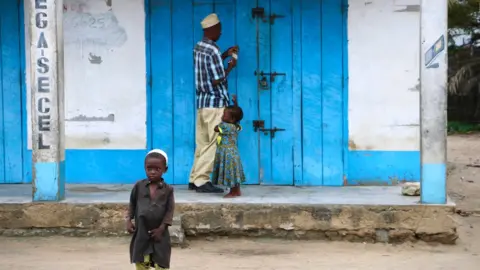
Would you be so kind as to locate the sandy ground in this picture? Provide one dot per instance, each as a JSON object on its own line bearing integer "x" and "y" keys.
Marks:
{"x": 112, "y": 253}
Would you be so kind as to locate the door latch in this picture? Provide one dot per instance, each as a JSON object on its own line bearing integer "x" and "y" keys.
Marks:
{"x": 262, "y": 83}
{"x": 271, "y": 130}
{"x": 259, "y": 12}
{"x": 275, "y": 16}
{"x": 258, "y": 124}
{"x": 272, "y": 75}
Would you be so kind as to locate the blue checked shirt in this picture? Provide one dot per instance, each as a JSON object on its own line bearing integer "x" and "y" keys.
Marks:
{"x": 208, "y": 67}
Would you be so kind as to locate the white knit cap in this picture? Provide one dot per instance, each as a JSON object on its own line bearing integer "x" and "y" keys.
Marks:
{"x": 161, "y": 152}
{"x": 210, "y": 21}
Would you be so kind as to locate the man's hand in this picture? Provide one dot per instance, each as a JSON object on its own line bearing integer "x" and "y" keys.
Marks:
{"x": 233, "y": 50}
{"x": 157, "y": 233}
{"x": 130, "y": 226}
{"x": 232, "y": 63}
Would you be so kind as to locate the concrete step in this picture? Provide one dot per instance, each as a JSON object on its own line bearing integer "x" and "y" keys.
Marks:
{"x": 177, "y": 234}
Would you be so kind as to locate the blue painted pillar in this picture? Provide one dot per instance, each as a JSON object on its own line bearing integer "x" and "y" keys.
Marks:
{"x": 47, "y": 110}
{"x": 433, "y": 100}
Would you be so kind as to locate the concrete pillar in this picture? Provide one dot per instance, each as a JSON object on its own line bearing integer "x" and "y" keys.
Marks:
{"x": 433, "y": 100}
{"x": 47, "y": 111}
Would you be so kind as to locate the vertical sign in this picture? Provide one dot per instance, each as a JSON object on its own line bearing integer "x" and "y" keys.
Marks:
{"x": 46, "y": 62}
{"x": 45, "y": 125}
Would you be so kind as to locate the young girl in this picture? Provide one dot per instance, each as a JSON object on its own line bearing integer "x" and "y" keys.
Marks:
{"x": 151, "y": 206}
{"x": 227, "y": 169}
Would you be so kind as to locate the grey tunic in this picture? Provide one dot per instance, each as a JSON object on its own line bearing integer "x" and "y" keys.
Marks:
{"x": 149, "y": 213}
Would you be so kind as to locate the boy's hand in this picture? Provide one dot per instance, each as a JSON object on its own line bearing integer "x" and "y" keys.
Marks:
{"x": 130, "y": 226}
{"x": 157, "y": 233}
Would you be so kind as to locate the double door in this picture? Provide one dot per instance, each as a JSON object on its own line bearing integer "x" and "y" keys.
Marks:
{"x": 289, "y": 82}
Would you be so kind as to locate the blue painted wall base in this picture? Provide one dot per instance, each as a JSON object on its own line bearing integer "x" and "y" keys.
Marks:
{"x": 382, "y": 167}
{"x": 49, "y": 182}
{"x": 434, "y": 184}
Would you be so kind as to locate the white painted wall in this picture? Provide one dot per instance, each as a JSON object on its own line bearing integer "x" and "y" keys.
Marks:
{"x": 383, "y": 74}
{"x": 105, "y": 74}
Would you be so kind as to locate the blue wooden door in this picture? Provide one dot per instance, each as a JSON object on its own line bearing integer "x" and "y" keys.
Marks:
{"x": 173, "y": 30}
{"x": 301, "y": 56}
{"x": 11, "y": 135}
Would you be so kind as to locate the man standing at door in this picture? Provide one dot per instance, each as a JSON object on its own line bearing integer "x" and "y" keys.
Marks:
{"x": 212, "y": 97}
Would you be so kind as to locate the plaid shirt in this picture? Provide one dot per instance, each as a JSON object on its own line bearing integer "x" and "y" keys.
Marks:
{"x": 208, "y": 67}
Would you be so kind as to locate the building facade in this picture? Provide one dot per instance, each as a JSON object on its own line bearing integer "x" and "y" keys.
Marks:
{"x": 330, "y": 89}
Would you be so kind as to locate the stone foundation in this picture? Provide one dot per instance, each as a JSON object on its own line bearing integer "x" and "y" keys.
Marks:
{"x": 366, "y": 223}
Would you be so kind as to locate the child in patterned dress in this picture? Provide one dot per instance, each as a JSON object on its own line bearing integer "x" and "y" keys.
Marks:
{"x": 227, "y": 169}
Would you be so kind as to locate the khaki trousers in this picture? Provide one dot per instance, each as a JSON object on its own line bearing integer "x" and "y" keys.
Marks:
{"x": 205, "y": 139}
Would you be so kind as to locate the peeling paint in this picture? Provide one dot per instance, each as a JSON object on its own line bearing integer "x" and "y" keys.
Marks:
{"x": 94, "y": 59}
{"x": 84, "y": 118}
{"x": 352, "y": 145}
{"x": 416, "y": 87}
{"x": 409, "y": 8}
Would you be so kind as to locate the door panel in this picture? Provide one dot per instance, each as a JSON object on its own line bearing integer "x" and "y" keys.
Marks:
{"x": 11, "y": 137}
{"x": 312, "y": 92}
{"x": 161, "y": 96}
{"x": 332, "y": 90}
{"x": 275, "y": 102}
{"x": 183, "y": 90}
{"x": 264, "y": 95}
{"x": 248, "y": 143}
{"x": 322, "y": 92}
{"x": 282, "y": 92}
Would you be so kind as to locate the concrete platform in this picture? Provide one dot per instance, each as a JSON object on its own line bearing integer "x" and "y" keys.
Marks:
{"x": 373, "y": 214}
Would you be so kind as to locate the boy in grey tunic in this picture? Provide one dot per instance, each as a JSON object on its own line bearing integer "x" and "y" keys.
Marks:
{"x": 151, "y": 206}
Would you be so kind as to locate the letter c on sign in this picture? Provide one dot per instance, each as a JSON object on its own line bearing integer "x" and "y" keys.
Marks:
{"x": 42, "y": 106}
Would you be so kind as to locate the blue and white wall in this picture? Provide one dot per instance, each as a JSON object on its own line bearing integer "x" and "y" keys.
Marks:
{"x": 105, "y": 81}
{"x": 105, "y": 86}
{"x": 383, "y": 91}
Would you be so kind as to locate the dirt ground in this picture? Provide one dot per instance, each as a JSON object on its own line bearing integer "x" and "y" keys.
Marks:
{"x": 112, "y": 253}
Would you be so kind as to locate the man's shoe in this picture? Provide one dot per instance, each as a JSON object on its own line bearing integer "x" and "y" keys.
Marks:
{"x": 191, "y": 186}
{"x": 209, "y": 188}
